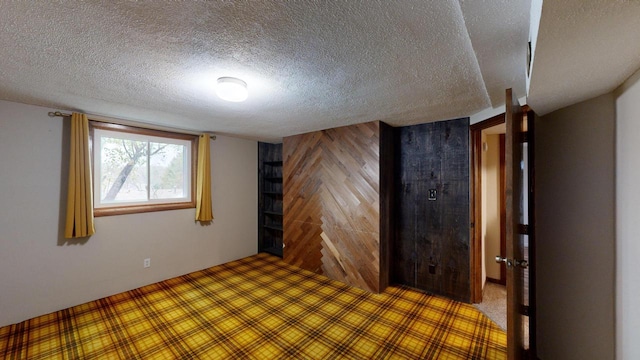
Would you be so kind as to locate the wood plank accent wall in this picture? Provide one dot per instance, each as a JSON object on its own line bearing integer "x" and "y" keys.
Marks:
{"x": 336, "y": 218}
{"x": 431, "y": 248}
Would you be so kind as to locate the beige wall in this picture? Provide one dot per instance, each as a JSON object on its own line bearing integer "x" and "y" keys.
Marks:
{"x": 627, "y": 217}
{"x": 575, "y": 231}
{"x": 491, "y": 204}
{"x": 41, "y": 272}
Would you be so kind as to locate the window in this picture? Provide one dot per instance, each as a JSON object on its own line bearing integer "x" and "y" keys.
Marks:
{"x": 140, "y": 170}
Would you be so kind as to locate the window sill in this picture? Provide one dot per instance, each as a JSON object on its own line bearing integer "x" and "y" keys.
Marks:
{"x": 134, "y": 209}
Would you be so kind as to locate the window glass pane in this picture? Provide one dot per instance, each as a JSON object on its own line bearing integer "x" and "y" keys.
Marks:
{"x": 123, "y": 175}
{"x": 137, "y": 170}
{"x": 168, "y": 180}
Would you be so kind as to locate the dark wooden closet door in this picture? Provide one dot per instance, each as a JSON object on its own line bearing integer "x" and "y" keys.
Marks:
{"x": 431, "y": 250}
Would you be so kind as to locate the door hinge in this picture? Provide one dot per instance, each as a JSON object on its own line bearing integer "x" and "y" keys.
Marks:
{"x": 523, "y": 229}
{"x": 524, "y": 310}
{"x": 524, "y": 137}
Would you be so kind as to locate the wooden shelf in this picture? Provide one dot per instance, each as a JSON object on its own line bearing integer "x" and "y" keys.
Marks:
{"x": 270, "y": 231}
{"x": 273, "y": 250}
{"x": 273, "y": 163}
{"x": 273, "y": 227}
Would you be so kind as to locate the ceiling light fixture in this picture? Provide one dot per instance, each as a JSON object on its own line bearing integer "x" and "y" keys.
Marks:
{"x": 232, "y": 89}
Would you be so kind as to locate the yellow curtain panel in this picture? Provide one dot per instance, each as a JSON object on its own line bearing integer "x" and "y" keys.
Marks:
{"x": 203, "y": 181}
{"x": 79, "y": 196}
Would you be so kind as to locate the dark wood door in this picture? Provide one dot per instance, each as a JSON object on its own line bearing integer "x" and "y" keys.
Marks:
{"x": 431, "y": 247}
{"x": 517, "y": 222}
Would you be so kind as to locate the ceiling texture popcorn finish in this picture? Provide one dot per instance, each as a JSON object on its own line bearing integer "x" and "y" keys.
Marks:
{"x": 309, "y": 65}
{"x": 585, "y": 49}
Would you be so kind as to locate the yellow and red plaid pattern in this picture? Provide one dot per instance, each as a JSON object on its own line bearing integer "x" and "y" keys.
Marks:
{"x": 258, "y": 308}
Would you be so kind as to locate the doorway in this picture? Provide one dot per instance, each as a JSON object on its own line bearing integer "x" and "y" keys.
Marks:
{"x": 494, "y": 126}
{"x": 488, "y": 144}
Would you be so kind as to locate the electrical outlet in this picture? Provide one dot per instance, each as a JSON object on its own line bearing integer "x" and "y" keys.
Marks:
{"x": 147, "y": 262}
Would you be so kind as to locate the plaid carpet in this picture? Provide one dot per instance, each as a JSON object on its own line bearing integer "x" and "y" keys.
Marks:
{"x": 260, "y": 308}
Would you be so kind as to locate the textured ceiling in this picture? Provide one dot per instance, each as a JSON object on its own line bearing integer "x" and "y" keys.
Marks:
{"x": 309, "y": 65}
{"x": 584, "y": 49}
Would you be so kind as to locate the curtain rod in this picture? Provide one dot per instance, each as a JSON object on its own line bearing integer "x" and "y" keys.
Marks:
{"x": 131, "y": 123}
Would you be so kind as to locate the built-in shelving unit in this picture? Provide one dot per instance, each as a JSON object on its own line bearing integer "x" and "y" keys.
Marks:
{"x": 270, "y": 198}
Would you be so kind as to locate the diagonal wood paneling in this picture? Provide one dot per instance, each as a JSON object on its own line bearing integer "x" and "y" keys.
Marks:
{"x": 332, "y": 204}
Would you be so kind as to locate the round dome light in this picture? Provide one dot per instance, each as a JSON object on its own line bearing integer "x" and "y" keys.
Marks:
{"x": 232, "y": 89}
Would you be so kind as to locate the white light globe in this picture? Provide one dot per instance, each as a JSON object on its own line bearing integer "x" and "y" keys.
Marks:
{"x": 232, "y": 89}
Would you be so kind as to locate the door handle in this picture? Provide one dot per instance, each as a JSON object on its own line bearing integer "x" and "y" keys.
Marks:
{"x": 500, "y": 259}
{"x": 520, "y": 263}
